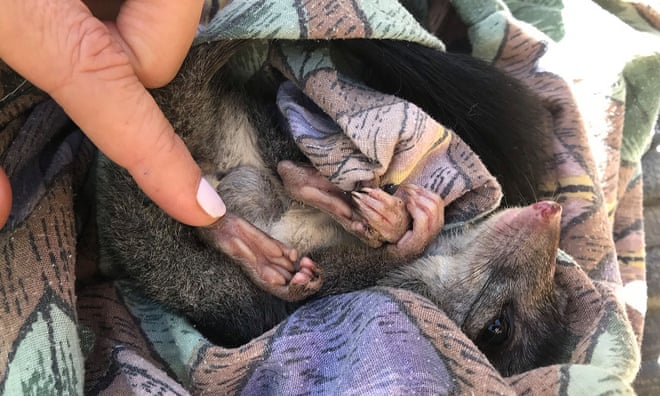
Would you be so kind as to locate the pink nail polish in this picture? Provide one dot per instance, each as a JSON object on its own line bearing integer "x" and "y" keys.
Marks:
{"x": 209, "y": 200}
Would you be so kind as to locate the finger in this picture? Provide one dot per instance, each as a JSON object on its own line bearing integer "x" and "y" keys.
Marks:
{"x": 84, "y": 69}
{"x": 5, "y": 198}
{"x": 429, "y": 207}
{"x": 420, "y": 217}
{"x": 273, "y": 277}
{"x": 276, "y": 253}
{"x": 283, "y": 263}
{"x": 368, "y": 207}
{"x": 156, "y": 35}
{"x": 302, "y": 277}
{"x": 105, "y": 10}
{"x": 358, "y": 227}
{"x": 431, "y": 195}
{"x": 238, "y": 249}
{"x": 291, "y": 253}
{"x": 125, "y": 123}
{"x": 405, "y": 240}
{"x": 308, "y": 265}
{"x": 368, "y": 201}
{"x": 325, "y": 201}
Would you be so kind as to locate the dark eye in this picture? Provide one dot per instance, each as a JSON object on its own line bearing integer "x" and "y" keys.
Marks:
{"x": 496, "y": 332}
{"x": 390, "y": 188}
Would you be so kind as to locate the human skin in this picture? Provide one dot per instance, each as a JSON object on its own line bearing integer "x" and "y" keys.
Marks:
{"x": 99, "y": 72}
{"x": 5, "y": 197}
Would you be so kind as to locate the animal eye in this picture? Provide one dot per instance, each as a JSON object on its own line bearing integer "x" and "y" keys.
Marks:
{"x": 390, "y": 188}
{"x": 495, "y": 333}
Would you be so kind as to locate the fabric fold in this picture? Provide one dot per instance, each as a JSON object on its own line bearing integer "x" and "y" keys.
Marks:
{"x": 601, "y": 87}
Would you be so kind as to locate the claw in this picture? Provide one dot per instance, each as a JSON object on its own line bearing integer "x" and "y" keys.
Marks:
{"x": 385, "y": 216}
{"x": 427, "y": 211}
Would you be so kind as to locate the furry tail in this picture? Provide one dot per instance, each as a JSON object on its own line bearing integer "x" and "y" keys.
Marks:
{"x": 495, "y": 114}
{"x": 205, "y": 60}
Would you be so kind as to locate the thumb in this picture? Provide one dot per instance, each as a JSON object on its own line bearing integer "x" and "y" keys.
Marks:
{"x": 60, "y": 47}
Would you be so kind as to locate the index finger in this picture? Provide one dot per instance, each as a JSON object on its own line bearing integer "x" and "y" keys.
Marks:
{"x": 155, "y": 34}
{"x": 60, "y": 47}
{"x": 108, "y": 101}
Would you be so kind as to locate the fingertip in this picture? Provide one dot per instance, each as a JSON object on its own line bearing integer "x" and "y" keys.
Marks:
{"x": 293, "y": 255}
{"x": 159, "y": 78}
{"x": 5, "y": 198}
{"x": 359, "y": 227}
{"x": 158, "y": 35}
{"x": 404, "y": 239}
{"x": 206, "y": 208}
{"x": 307, "y": 263}
{"x": 175, "y": 184}
{"x": 411, "y": 205}
{"x": 209, "y": 200}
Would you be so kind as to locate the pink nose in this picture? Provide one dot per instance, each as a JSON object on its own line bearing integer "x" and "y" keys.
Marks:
{"x": 547, "y": 208}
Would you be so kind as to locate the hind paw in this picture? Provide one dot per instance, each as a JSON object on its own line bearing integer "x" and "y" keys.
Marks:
{"x": 270, "y": 264}
{"x": 306, "y": 282}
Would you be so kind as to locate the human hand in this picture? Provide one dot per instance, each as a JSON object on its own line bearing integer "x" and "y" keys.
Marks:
{"x": 98, "y": 70}
{"x": 5, "y": 198}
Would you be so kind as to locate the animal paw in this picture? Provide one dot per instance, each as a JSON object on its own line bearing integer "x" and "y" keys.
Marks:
{"x": 306, "y": 184}
{"x": 427, "y": 210}
{"x": 270, "y": 264}
{"x": 306, "y": 282}
{"x": 385, "y": 215}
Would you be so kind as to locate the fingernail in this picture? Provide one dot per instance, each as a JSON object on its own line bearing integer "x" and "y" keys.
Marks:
{"x": 209, "y": 200}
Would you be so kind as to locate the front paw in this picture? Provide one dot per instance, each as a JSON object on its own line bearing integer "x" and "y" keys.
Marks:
{"x": 385, "y": 216}
{"x": 427, "y": 210}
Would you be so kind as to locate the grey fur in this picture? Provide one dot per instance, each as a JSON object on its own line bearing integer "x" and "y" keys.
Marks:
{"x": 468, "y": 274}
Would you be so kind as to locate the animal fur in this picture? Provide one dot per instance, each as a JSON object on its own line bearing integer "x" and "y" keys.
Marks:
{"x": 493, "y": 279}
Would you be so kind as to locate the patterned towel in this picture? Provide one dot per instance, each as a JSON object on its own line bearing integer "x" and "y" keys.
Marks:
{"x": 65, "y": 330}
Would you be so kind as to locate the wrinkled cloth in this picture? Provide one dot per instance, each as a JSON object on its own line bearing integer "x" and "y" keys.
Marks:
{"x": 596, "y": 65}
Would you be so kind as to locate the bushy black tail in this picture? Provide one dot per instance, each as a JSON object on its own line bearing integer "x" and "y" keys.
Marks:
{"x": 495, "y": 114}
